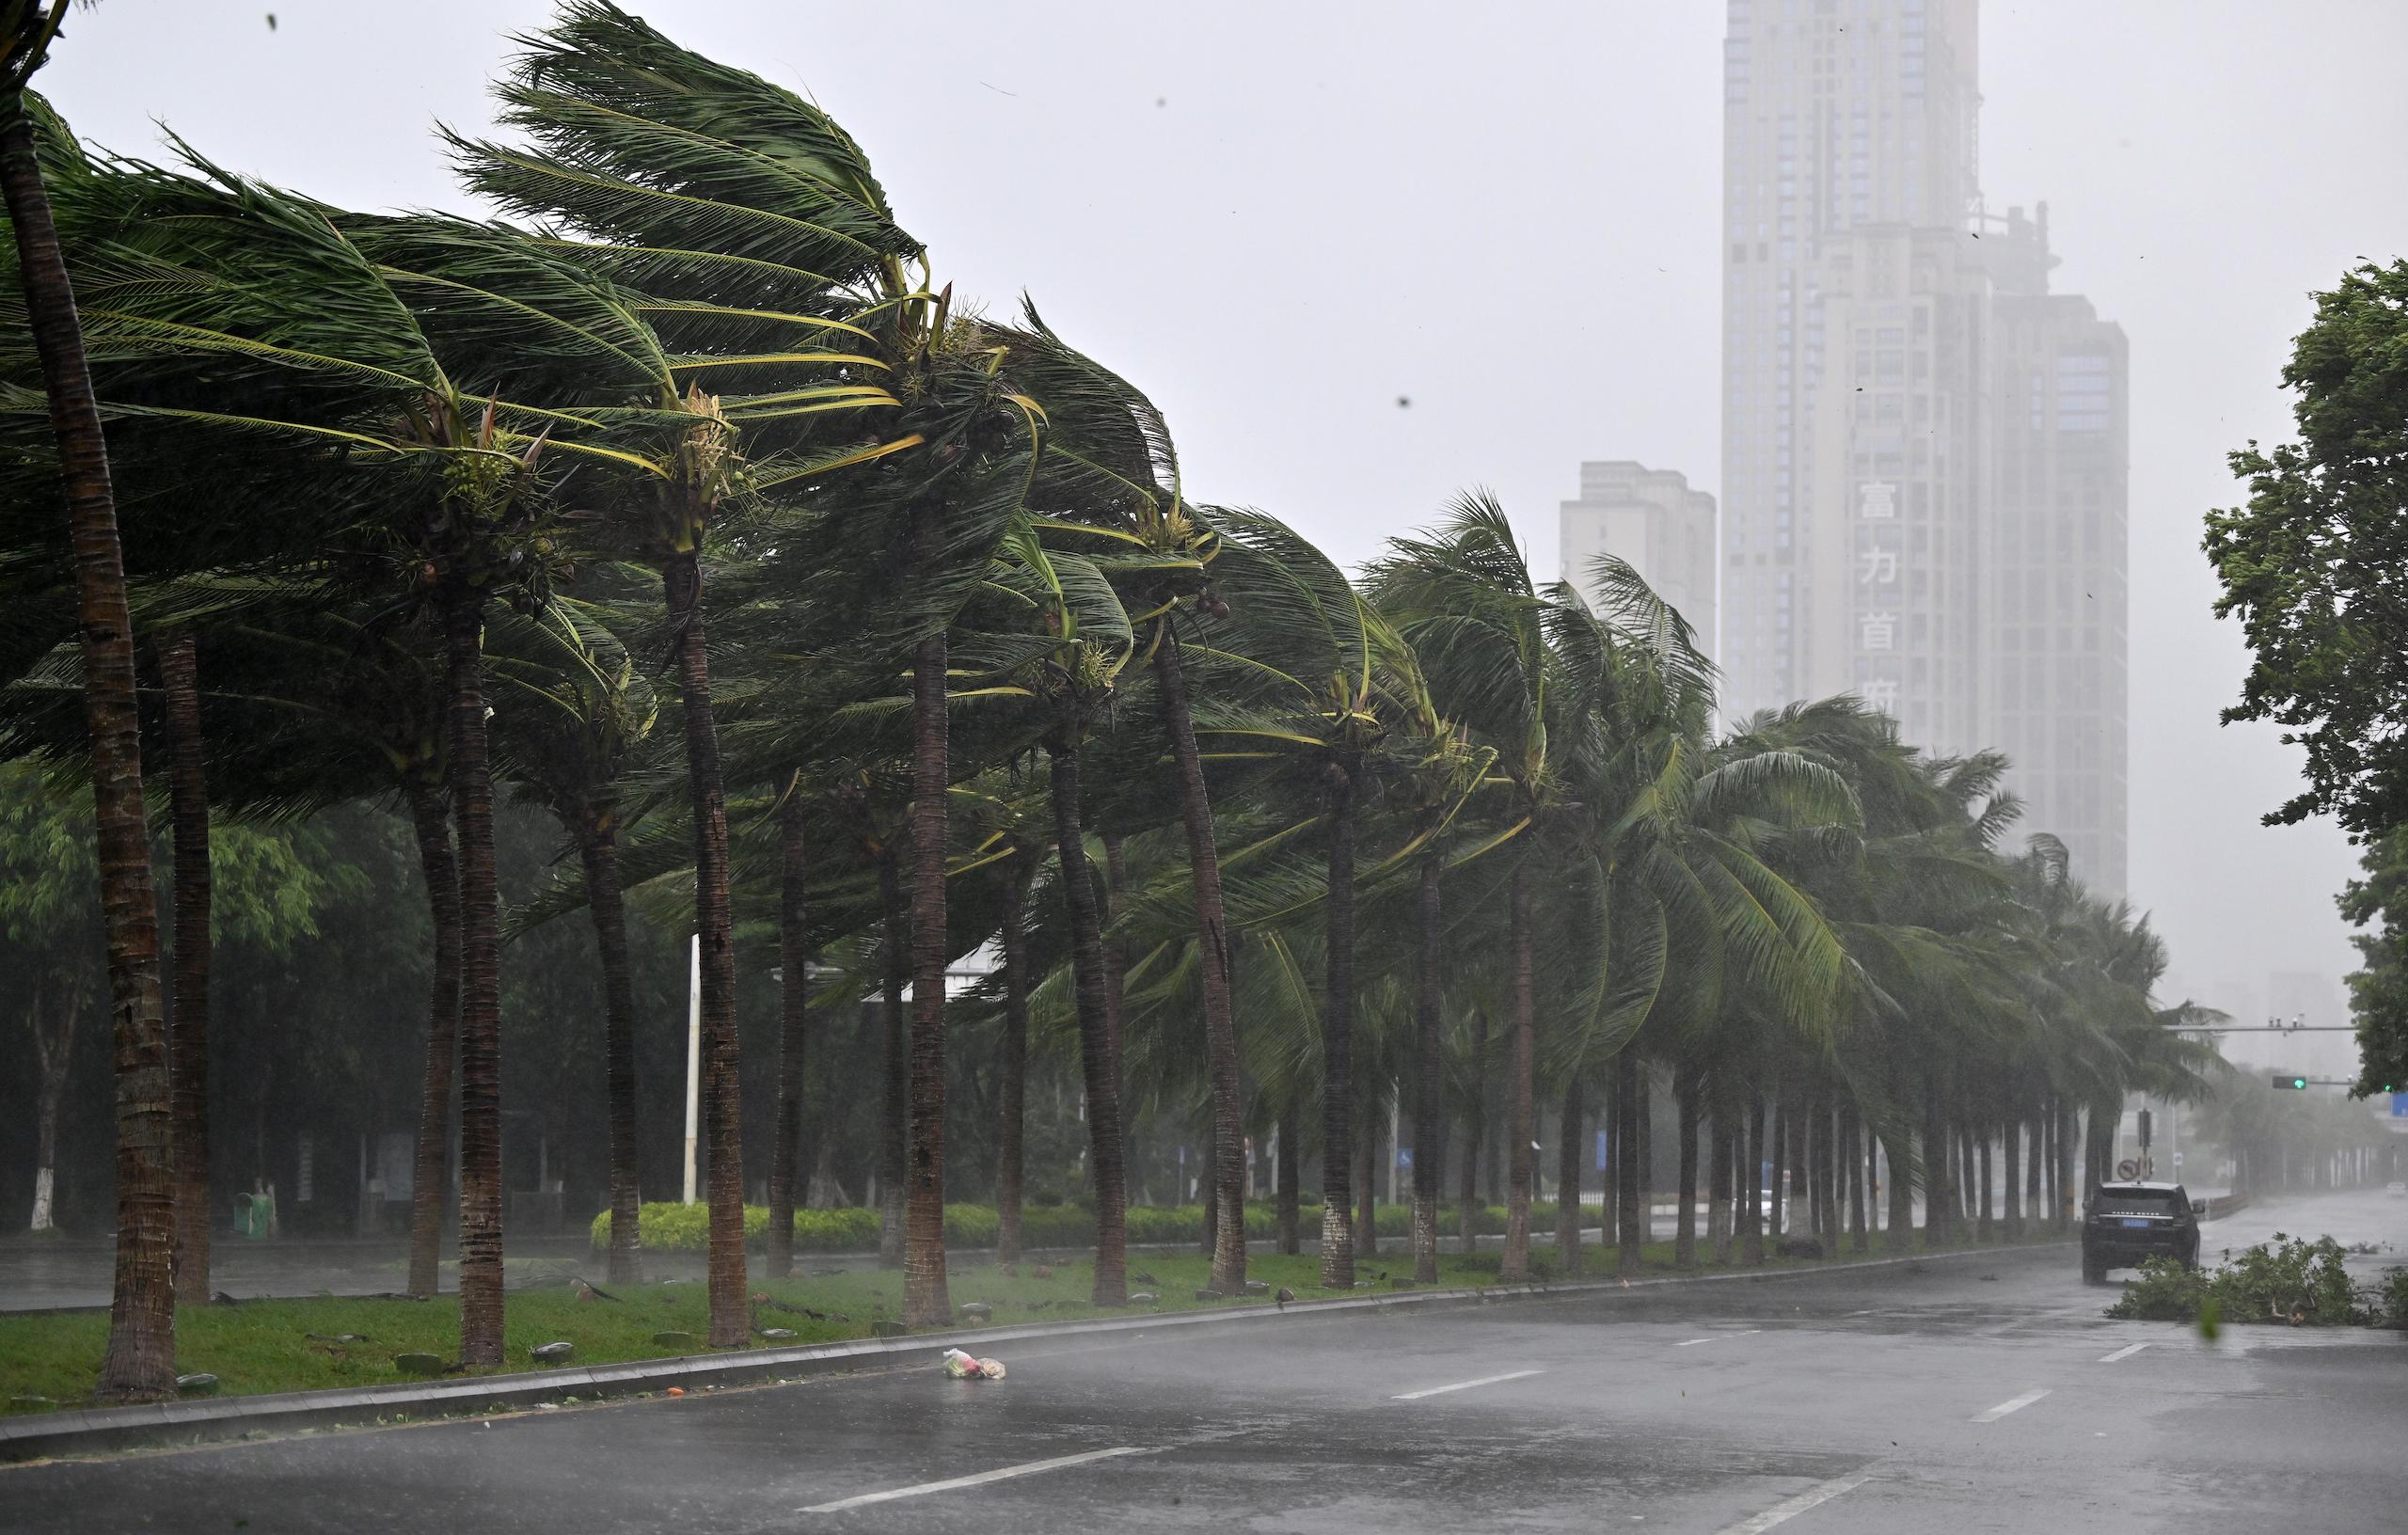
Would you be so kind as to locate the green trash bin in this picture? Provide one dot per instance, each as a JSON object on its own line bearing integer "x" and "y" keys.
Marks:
{"x": 254, "y": 1215}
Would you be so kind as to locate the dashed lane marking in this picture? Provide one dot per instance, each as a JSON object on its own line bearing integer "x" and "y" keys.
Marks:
{"x": 1463, "y": 1385}
{"x": 2013, "y": 1404}
{"x": 1692, "y": 1342}
{"x": 2125, "y": 1353}
{"x": 1788, "y": 1509}
{"x": 1006, "y": 1473}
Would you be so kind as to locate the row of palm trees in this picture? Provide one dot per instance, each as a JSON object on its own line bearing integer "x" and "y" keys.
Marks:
{"x": 433, "y": 511}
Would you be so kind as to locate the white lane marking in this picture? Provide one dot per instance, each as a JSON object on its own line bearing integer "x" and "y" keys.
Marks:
{"x": 1463, "y": 1385}
{"x": 2014, "y": 1405}
{"x": 2125, "y": 1353}
{"x": 1718, "y": 1337}
{"x": 1860, "y": 1313}
{"x": 1788, "y": 1509}
{"x": 999, "y": 1474}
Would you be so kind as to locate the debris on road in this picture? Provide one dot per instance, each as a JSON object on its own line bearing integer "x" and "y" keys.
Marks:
{"x": 962, "y": 1367}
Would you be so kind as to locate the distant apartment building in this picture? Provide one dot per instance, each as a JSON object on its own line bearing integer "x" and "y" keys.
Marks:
{"x": 2057, "y": 687}
{"x": 1900, "y": 519}
{"x": 1652, "y": 520}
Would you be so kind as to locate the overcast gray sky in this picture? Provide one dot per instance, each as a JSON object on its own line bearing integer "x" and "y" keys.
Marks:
{"x": 1279, "y": 218}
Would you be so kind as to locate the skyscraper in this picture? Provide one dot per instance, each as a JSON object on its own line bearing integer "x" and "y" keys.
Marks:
{"x": 1653, "y": 520}
{"x": 2057, "y": 689}
{"x": 1923, "y": 448}
{"x": 1838, "y": 121}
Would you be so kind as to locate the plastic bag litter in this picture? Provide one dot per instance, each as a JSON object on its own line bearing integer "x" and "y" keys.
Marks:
{"x": 961, "y": 1366}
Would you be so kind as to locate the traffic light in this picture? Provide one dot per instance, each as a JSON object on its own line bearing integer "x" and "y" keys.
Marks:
{"x": 2300, "y": 1082}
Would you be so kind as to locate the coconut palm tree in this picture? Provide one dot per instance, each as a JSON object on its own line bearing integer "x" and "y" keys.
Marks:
{"x": 1462, "y": 597}
{"x": 141, "y": 1357}
{"x": 572, "y": 716}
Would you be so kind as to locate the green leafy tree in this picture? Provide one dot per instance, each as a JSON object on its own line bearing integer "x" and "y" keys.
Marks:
{"x": 2377, "y": 900}
{"x": 2315, "y": 566}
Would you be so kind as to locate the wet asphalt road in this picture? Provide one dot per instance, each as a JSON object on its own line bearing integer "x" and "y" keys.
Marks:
{"x": 1983, "y": 1393}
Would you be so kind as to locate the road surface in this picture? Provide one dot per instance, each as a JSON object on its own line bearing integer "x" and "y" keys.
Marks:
{"x": 1983, "y": 1393}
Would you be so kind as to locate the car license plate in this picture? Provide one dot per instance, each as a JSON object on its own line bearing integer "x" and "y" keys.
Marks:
{"x": 2143, "y": 1224}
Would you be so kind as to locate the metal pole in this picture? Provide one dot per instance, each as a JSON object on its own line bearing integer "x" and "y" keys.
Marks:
{"x": 693, "y": 1060}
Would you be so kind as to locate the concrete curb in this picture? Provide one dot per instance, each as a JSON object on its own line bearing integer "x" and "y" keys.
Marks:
{"x": 95, "y": 1431}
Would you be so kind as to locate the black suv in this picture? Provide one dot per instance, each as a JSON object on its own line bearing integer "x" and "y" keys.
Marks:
{"x": 2129, "y": 1222}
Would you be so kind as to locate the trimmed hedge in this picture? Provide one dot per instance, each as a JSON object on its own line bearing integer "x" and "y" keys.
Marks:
{"x": 686, "y": 1228}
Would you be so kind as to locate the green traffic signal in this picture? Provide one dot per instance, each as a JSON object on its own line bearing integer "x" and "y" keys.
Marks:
{"x": 2299, "y": 1081}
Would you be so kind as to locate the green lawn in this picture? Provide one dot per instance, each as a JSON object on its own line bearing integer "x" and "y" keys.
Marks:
{"x": 263, "y": 1346}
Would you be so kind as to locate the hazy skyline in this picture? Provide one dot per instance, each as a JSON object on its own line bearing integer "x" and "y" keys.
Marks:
{"x": 1281, "y": 225}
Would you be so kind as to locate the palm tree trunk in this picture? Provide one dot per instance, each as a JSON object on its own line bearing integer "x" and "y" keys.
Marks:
{"x": 1685, "y": 1212}
{"x": 1752, "y": 1219}
{"x": 1516, "y": 1266}
{"x": 2036, "y": 1142}
{"x": 1567, "y": 1180}
{"x": 1778, "y": 1153}
{"x": 53, "y": 1036}
{"x": 2069, "y": 1130}
{"x": 598, "y": 849}
{"x": 1289, "y": 1195}
{"x": 1475, "y": 1131}
{"x": 1212, "y": 946}
{"x": 430, "y": 1179}
{"x": 141, "y": 1357}
{"x": 1008, "y": 1150}
{"x": 1114, "y": 879}
{"x": 1098, "y": 1070}
{"x": 481, "y": 1270}
{"x": 789, "y": 1176}
{"x": 894, "y": 1118}
{"x": 1642, "y": 1162}
{"x": 926, "y": 1302}
{"x": 1934, "y": 1167}
{"x": 1852, "y": 1149}
{"x": 1366, "y": 1226}
{"x": 1717, "y": 1174}
{"x": 1337, "y": 1042}
{"x": 1630, "y": 1091}
{"x": 1901, "y": 1233}
{"x": 1429, "y": 1071}
{"x": 1610, "y": 1219}
{"x": 1968, "y": 1180}
{"x": 714, "y": 925}
{"x": 2010, "y": 1159}
{"x": 1824, "y": 1166}
{"x": 188, "y": 1076}
{"x": 1983, "y": 1154}
{"x": 1210, "y": 1200}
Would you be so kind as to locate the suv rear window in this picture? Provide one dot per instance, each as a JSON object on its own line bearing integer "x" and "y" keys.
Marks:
{"x": 2135, "y": 1201}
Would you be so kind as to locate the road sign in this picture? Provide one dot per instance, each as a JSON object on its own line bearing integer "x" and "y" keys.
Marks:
{"x": 1404, "y": 1156}
{"x": 2177, "y": 1159}
{"x": 2128, "y": 1168}
{"x": 2400, "y": 1106}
